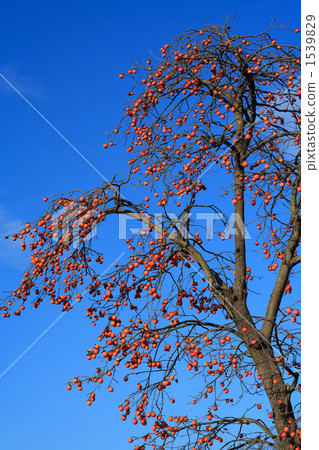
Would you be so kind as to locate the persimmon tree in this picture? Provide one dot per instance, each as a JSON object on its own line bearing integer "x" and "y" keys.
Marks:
{"x": 212, "y": 128}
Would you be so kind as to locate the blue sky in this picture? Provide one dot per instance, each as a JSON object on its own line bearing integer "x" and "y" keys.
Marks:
{"x": 65, "y": 57}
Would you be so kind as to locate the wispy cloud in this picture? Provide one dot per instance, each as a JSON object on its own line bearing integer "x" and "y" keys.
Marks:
{"x": 10, "y": 252}
{"x": 23, "y": 83}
